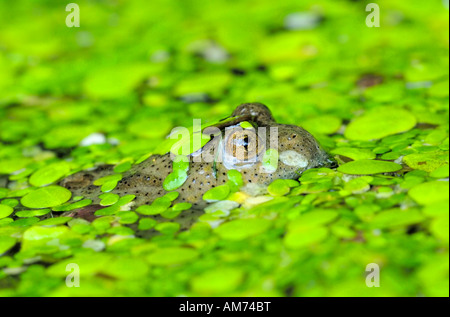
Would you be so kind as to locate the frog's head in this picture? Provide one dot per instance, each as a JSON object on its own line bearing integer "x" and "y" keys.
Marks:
{"x": 264, "y": 150}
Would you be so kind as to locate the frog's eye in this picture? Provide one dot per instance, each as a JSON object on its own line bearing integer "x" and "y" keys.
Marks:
{"x": 243, "y": 145}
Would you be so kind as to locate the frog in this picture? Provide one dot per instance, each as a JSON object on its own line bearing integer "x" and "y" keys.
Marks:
{"x": 240, "y": 142}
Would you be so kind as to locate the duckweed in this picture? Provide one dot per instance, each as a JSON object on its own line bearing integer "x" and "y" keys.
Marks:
{"x": 44, "y": 197}
{"x": 366, "y": 167}
{"x": 380, "y": 122}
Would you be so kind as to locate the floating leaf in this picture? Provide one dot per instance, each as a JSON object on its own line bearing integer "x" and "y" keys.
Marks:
{"x": 73, "y": 206}
{"x": 366, "y": 167}
{"x": 179, "y": 175}
{"x": 172, "y": 255}
{"x": 168, "y": 228}
{"x": 5, "y": 211}
{"x": 174, "y": 180}
{"x": 430, "y": 192}
{"x": 313, "y": 218}
{"x": 182, "y": 206}
{"x": 159, "y": 205}
{"x": 170, "y": 213}
{"x": 380, "y": 122}
{"x": 354, "y": 153}
{"x": 235, "y": 178}
{"x": 217, "y": 281}
{"x": 6, "y": 243}
{"x": 54, "y": 221}
{"x": 426, "y": 161}
{"x": 122, "y": 167}
{"x": 396, "y": 217}
{"x": 279, "y": 187}
{"x": 325, "y": 124}
{"x": 127, "y": 217}
{"x": 441, "y": 172}
{"x": 10, "y": 202}
{"x": 303, "y": 238}
{"x": 217, "y": 193}
{"x": 108, "y": 179}
{"x": 32, "y": 213}
{"x": 242, "y": 228}
{"x": 440, "y": 228}
{"x": 146, "y": 223}
{"x": 45, "y": 197}
{"x": 49, "y": 174}
{"x": 246, "y": 125}
{"x": 108, "y": 199}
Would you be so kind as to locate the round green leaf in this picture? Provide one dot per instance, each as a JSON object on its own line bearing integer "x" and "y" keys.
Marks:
{"x": 430, "y": 192}
{"x": 217, "y": 193}
{"x": 279, "y": 187}
{"x": 303, "y": 238}
{"x": 45, "y": 197}
{"x": 217, "y": 281}
{"x": 172, "y": 255}
{"x": 242, "y": 228}
{"x": 5, "y": 211}
{"x": 366, "y": 167}
{"x": 49, "y": 174}
{"x": 380, "y": 122}
{"x": 354, "y": 153}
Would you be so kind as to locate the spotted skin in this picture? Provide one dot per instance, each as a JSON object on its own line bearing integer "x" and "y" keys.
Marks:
{"x": 145, "y": 180}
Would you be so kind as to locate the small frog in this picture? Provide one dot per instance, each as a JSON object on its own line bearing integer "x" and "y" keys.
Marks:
{"x": 250, "y": 141}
